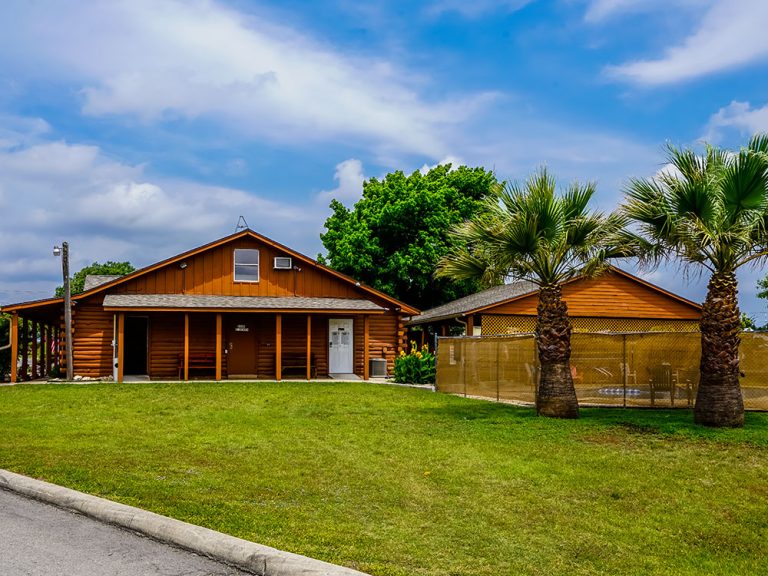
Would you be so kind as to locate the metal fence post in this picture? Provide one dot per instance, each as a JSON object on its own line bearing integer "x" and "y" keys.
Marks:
{"x": 464, "y": 365}
{"x": 497, "y": 370}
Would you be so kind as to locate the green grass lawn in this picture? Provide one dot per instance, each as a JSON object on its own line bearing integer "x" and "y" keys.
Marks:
{"x": 397, "y": 481}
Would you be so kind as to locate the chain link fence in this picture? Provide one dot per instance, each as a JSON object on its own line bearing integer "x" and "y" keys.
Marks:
{"x": 658, "y": 369}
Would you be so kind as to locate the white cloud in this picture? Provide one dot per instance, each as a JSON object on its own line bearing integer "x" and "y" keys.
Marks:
{"x": 731, "y": 34}
{"x": 350, "y": 177}
{"x": 739, "y": 116}
{"x": 454, "y": 161}
{"x": 108, "y": 210}
{"x": 475, "y": 8}
{"x": 200, "y": 59}
{"x": 600, "y": 10}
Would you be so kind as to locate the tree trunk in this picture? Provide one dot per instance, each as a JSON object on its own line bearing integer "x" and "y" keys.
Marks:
{"x": 719, "y": 401}
{"x": 556, "y": 395}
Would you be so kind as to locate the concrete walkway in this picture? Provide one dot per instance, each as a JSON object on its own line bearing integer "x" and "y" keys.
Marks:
{"x": 41, "y": 540}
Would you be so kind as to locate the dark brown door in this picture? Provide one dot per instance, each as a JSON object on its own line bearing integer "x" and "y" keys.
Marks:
{"x": 242, "y": 348}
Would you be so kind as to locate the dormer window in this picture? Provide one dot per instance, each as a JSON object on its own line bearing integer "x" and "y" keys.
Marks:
{"x": 246, "y": 265}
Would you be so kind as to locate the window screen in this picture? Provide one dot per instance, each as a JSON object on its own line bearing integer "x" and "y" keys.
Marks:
{"x": 246, "y": 265}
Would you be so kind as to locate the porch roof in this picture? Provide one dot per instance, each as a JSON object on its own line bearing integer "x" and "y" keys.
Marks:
{"x": 201, "y": 302}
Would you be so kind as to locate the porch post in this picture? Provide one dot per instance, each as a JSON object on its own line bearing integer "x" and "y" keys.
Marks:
{"x": 309, "y": 346}
{"x": 186, "y": 347}
{"x": 51, "y": 348}
{"x": 43, "y": 350}
{"x": 56, "y": 348}
{"x": 35, "y": 362}
{"x": 366, "y": 342}
{"x": 14, "y": 347}
{"x": 218, "y": 347}
{"x": 24, "y": 350}
{"x": 470, "y": 325}
{"x": 278, "y": 347}
{"x": 120, "y": 345}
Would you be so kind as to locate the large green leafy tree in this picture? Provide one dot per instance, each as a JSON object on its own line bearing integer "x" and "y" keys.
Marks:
{"x": 762, "y": 286}
{"x": 77, "y": 282}
{"x": 530, "y": 232}
{"x": 709, "y": 211}
{"x": 395, "y": 234}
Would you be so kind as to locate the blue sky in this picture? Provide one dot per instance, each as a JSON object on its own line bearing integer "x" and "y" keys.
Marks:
{"x": 140, "y": 128}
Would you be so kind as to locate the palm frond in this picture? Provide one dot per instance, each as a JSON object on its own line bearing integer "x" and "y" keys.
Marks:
{"x": 531, "y": 232}
{"x": 744, "y": 185}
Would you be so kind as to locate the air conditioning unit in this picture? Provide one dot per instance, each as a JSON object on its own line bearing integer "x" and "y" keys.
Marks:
{"x": 283, "y": 263}
{"x": 378, "y": 367}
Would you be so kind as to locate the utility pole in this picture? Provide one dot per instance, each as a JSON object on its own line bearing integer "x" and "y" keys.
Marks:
{"x": 64, "y": 252}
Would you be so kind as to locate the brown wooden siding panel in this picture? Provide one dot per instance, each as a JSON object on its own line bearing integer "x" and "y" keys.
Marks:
{"x": 383, "y": 338}
{"x": 212, "y": 272}
{"x": 265, "y": 338}
{"x": 166, "y": 342}
{"x": 92, "y": 339}
{"x": 609, "y": 296}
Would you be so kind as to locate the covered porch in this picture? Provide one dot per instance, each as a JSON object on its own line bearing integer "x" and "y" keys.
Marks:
{"x": 212, "y": 337}
{"x": 36, "y": 341}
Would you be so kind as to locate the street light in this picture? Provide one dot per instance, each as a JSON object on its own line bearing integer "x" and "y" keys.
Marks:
{"x": 63, "y": 251}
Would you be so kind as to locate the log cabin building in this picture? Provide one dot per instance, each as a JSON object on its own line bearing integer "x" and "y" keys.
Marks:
{"x": 616, "y": 301}
{"x": 242, "y": 307}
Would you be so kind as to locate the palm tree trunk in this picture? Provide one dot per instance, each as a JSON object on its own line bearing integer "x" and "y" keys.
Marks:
{"x": 719, "y": 401}
{"x": 556, "y": 395}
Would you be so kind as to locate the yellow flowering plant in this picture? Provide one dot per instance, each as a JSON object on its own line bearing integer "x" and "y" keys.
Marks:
{"x": 415, "y": 367}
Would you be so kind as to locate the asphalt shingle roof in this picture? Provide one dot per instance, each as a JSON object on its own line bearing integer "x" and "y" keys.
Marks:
{"x": 237, "y": 302}
{"x": 494, "y": 295}
{"x": 93, "y": 280}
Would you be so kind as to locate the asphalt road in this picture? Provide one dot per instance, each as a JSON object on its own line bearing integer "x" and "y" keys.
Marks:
{"x": 38, "y": 539}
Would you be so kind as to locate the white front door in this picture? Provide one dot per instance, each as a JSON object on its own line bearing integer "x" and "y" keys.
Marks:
{"x": 340, "y": 346}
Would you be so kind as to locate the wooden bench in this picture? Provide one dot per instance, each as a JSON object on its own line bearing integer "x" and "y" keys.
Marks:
{"x": 197, "y": 361}
{"x": 298, "y": 361}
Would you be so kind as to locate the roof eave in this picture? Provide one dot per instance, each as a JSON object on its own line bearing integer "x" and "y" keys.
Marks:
{"x": 10, "y": 308}
{"x": 209, "y": 309}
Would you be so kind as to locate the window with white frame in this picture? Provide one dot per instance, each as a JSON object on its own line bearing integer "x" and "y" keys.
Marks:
{"x": 246, "y": 265}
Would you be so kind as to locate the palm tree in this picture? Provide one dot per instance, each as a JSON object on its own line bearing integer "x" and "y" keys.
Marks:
{"x": 528, "y": 232}
{"x": 710, "y": 211}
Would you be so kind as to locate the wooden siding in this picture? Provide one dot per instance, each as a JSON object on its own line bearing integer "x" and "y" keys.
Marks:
{"x": 609, "y": 296}
{"x": 212, "y": 272}
{"x": 384, "y": 339}
{"x": 92, "y": 331}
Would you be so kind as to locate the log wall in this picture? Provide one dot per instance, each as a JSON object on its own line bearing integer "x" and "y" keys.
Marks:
{"x": 92, "y": 332}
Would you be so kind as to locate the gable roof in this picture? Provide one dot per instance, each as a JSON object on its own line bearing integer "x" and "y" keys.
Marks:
{"x": 474, "y": 302}
{"x": 506, "y": 293}
{"x": 247, "y": 233}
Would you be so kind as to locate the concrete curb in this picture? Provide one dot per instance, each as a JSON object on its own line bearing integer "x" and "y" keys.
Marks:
{"x": 255, "y": 558}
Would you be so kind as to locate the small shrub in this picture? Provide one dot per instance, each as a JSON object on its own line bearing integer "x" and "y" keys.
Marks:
{"x": 416, "y": 367}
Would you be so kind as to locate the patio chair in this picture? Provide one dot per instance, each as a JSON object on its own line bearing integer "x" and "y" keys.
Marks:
{"x": 630, "y": 374}
{"x": 688, "y": 381}
{"x": 660, "y": 380}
